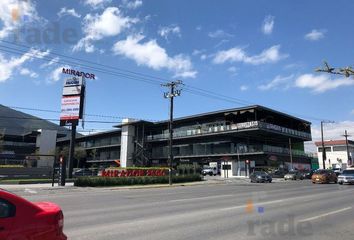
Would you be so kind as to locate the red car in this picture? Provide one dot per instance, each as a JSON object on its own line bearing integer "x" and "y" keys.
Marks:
{"x": 21, "y": 219}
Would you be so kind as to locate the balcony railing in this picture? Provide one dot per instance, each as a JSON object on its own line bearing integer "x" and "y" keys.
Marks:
{"x": 232, "y": 127}
{"x": 249, "y": 149}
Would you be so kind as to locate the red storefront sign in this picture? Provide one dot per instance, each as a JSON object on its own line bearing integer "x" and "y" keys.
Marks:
{"x": 133, "y": 172}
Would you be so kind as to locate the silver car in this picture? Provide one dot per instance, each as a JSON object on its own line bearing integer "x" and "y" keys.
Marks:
{"x": 293, "y": 175}
{"x": 347, "y": 176}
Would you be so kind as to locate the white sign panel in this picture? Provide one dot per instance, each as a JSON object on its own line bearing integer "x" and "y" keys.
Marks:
{"x": 74, "y": 90}
{"x": 74, "y": 81}
{"x": 70, "y": 108}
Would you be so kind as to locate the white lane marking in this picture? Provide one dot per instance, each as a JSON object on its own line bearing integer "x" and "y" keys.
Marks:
{"x": 256, "y": 204}
{"x": 28, "y": 190}
{"x": 201, "y": 198}
{"x": 325, "y": 214}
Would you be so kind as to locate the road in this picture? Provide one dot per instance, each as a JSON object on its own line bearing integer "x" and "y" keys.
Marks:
{"x": 232, "y": 210}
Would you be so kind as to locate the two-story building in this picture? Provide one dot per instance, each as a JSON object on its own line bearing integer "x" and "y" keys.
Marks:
{"x": 336, "y": 153}
{"x": 241, "y": 138}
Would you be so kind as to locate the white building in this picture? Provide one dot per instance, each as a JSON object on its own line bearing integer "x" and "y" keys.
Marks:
{"x": 336, "y": 153}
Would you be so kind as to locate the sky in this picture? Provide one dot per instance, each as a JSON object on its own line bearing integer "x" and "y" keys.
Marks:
{"x": 247, "y": 52}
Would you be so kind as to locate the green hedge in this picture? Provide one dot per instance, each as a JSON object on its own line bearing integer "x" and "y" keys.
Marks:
{"x": 127, "y": 181}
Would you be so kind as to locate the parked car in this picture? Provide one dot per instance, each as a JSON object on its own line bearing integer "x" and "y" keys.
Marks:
{"x": 280, "y": 173}
{"x": 259, "y": 176}
{"x": 209, "y": 171}
{"x": 337, "y": 171}
{"x": 293, "y": 175}
{"x": 347, "y": 176}
{"x": 307, "y": 174}
{"x": 21, "y": 219}
{"x": 84, "y": 172}
{"x": 324, "y": 176}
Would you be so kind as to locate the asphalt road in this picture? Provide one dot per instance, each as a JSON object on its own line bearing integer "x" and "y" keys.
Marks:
{"x": 283, "y": 210}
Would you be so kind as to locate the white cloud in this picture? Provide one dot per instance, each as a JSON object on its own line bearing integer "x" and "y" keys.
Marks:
{"x": 56, "y": 74}
{"x": 277, "y": 82}
{"x": 219, "y": 34}
{"x": 8, "y": 66}
{"x": 232, "y": 69}
{"x": 203, "y": 56}
{"x": 132, "y": 4}
{"x": 321, "y": 83}
{"x": 50, "y": 63}
{"x": 110, "y": 23}
{"x": 14, "y": 14}
{"x": 71, "y": 12}
{"x": 172, "y": 29}
{"x": 268, "y": 25}
{"x": 244, "y": 88}
{"x": 315, "y": 35}
{"x": 237, "y": 54}
{"x": 150, "y": 54}
{"x": 97, "y": 3}
{"x": 27, "y": 72}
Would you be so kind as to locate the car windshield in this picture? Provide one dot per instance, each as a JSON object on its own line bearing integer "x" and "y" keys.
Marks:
{"x": 351, "y": 172}
{"x": 293, "y": 172}
{"x": 321, "y": 172}
{"x": 261, "y": 173}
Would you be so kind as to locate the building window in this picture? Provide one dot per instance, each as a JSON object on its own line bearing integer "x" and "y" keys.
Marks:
{"x": 328, "y": 149}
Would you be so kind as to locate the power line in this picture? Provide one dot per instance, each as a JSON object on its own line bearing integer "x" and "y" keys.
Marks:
{"x": 144, "y": 77}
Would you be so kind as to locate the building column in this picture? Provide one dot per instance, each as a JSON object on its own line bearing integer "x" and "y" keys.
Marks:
{"x": 127, "y": 143}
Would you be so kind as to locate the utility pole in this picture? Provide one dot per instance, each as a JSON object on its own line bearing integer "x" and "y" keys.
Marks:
{"x": 291, "y": 155}
{"x": 347, "y": 145}
{"x": 174, "y": 92}
{"x": 323, "y": 148}
{"x": 323, "y": 145}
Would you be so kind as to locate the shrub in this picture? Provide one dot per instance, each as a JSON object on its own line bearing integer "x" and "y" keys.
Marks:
{"x": 127, "y": 181}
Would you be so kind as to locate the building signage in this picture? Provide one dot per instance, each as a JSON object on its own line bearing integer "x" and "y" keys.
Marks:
{"x": 78, "y": 73}
{"x": 74, "y": 81}
{"x": 74, "y": 90}
{"x": 70, "y": 108}
{"x": 134, "y": 172}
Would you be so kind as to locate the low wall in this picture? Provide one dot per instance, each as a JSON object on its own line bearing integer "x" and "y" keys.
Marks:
{"x": 25, "y": 173}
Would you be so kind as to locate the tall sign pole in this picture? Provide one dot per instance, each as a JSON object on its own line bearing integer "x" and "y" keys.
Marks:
{"x": 174, "y": 92}
{"x": 72, "y": 110}
{"x": 323, "y": 148}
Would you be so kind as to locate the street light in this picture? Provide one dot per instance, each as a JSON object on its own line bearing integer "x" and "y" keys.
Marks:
{"x": 323, "y": 146}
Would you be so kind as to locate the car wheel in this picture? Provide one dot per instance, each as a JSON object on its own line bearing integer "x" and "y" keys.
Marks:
{"x": 210, "y": 174}
{"x": 270, "y": 181}
{"x": 340, "y": 183}
{"x": 314, "y": 182}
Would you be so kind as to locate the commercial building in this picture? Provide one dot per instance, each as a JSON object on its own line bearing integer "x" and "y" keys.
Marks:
{"x": 239, "y": 138}
{"x": 22, "y": 136}
{"x": 336, "y": 153}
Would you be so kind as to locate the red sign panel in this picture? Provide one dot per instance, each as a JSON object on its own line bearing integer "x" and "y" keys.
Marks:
{"x": 133, "y": 172}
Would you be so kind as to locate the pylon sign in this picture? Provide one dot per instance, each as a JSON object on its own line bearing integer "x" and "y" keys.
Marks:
{"x": 72, "y": 102}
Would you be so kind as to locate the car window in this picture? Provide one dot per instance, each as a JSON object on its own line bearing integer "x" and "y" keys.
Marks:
{"x": 348, "y": 172}
{"x": 7, "y": 209}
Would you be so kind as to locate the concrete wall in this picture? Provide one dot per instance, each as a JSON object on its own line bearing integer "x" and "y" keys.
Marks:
{"x": 127, "y": 144}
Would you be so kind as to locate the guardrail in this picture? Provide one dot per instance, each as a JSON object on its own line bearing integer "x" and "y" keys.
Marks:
{"x": 231, "y": 127}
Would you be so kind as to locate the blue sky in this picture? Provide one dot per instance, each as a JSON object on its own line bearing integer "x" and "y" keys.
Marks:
{"x": 260, "y": 52}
